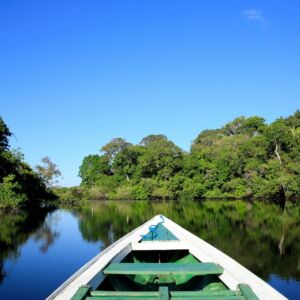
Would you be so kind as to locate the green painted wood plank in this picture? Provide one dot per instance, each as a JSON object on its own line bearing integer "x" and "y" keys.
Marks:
{"x": 125, "y": 293}
{"x": 204, "y": 293}
{"x": 247, "y": 292}
{"x": 81, "y": 293}
{"x": 162, "y": 234}
{"x": 163, "y": 293}
{"x": 211, "y": 298}
{"x": 163, "y": 268}
{"x": 120, "y": 298}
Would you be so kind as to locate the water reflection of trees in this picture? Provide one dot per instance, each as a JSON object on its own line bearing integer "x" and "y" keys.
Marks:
{"x": 16, "y": 229}
{"x": 258, "y": 235}
{"x": 2, "y": 272}
{"x": 45, "y": 234}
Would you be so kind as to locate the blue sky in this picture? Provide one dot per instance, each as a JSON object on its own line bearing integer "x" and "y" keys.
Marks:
{"x": 74, "y": 74}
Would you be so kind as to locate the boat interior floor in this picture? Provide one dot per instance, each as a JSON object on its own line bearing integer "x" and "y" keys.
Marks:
{"x": 154, "y": 275}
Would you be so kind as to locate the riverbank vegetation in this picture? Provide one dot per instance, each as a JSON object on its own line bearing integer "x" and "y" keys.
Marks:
{"x": 20, "y": 185}
{"x": 245, "y": 158}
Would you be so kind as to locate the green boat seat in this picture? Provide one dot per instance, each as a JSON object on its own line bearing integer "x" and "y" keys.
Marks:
{"x": 244, "y": 293}
{"x": 210, "y": 298}
{"x": 161, "y": 294}
{"x": 122, "y": 297}
{"x": 163, "y": 269}
{"x": 204, "y": 293}
{"x": 154, "y": 295}
{"x": 124, "y": 294}
{"x": 164, "y": 294}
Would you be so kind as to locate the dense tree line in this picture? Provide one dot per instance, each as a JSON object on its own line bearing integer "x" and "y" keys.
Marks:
{"x": 20, "y": 185}
{"x": 245, "y": 158}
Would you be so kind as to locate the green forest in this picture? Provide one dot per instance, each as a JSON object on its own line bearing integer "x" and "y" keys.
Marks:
{"x": 20, "y": 185}
{"x": 246, "y": 158}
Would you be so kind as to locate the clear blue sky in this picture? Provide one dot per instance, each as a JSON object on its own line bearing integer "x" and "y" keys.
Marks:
{"x": 74, "y": 74}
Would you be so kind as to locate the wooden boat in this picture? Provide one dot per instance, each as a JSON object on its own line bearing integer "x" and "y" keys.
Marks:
{"x": 162, "y": 260}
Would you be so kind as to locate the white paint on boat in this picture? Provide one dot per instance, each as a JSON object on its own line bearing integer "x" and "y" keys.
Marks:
{"x": 234, "y": 273}
{"x": 89, "y": 272}
{"x": 158, "y": 245}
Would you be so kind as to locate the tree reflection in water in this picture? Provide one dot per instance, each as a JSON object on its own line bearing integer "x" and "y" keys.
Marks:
{"x": 16, "y": 229}
{"x": 259, "y": 235}
{"x": 45, "y": 233}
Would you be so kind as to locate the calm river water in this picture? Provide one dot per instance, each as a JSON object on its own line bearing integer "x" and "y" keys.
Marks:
{"x": 39, "y": 250}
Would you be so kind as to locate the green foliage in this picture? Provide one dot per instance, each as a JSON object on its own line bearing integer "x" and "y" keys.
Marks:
{"x": 72, "y": 195}
{"x": 48, "y": 172}
{"x": 19, "y": 185}
{"x": 152, "y": 138}
{"x": 192, "y": 189}
{"x": 125, "y": 162}
{"x": 245, "y": 158}
{"x": 11, "y": 195}
{"x": 96, "y": 193}
{"x": 243, "y": 125}
{"x": 161, "y": 158}
{"x": 92, "y": 167}
{"x": 114, "y": 146}
{"x": 140, "y": 193}
{"x": 4, "y": 135}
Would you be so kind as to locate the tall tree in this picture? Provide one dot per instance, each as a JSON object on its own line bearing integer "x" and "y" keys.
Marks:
{"x": 162, "y": 158}
{"x": 152, "y": 138}
{"x": 251, "y": 126}
{"x": 125, "y": 161}
{"x": 92, "y": 167}
{"x": 4, "y": 135}
{"x": 114, "y": 146}
{"x": 207, "y": 138}
{"x": 48, "y": 172}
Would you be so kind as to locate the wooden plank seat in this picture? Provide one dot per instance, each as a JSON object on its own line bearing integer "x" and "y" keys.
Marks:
{"x": 212, "y": 297}
{"x": 122, "y": 298}
{"x": 163, "y": 269}
{"x": 124, "y": 293}
{"x": 245, "y": 293}
{"x": 118, "y": 295}
{"x": 173, "y": 294}
{"x": 203, "y": 293}
{"x": 161, "y": 294}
